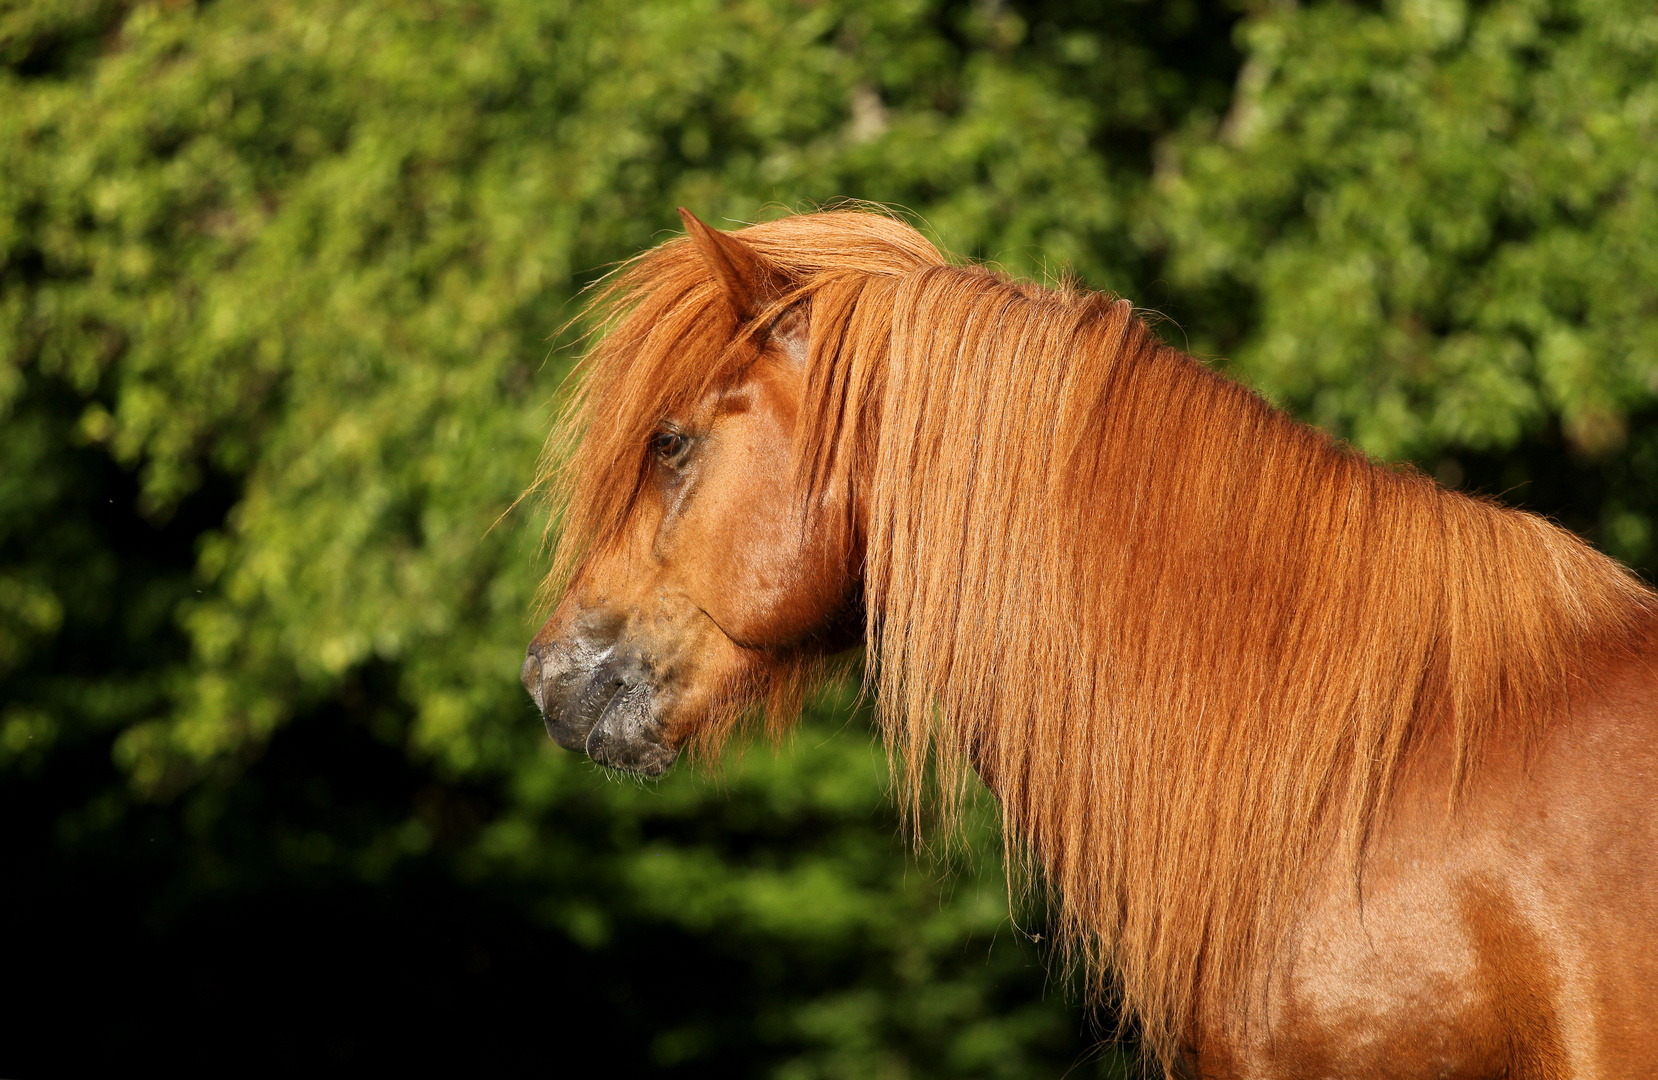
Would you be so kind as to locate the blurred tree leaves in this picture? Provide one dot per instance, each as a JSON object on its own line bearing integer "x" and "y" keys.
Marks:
{"x": 281, "y": 297}
{"x": 1445, "y": 217}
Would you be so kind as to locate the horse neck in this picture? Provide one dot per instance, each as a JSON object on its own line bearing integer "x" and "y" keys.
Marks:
{"x": 1186, "y": 638}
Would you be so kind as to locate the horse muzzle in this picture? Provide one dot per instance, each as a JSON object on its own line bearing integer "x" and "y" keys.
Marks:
{"x": 601, "y": 703}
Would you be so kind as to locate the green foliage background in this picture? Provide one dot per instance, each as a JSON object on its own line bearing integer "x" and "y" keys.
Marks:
{"x": 281, "y": 290}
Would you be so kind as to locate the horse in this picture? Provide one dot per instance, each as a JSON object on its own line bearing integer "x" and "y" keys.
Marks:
{"x": 1327, "y": 770}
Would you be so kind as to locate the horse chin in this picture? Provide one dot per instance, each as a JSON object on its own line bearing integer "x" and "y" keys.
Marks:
{"x": 641, "y": 757}
{"x": 628, "y": 735}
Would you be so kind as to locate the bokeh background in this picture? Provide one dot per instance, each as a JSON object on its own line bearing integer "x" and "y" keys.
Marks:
{"x": 281, "y": 294}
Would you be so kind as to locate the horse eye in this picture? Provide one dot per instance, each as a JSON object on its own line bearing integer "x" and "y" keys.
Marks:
{"x": 668, "y": 446}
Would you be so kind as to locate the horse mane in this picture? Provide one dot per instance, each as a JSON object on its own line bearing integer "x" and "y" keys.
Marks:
{"x": 1189, "y": 641}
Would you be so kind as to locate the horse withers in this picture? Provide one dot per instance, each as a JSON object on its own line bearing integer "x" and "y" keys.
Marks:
{"x": 1330, "y": 772}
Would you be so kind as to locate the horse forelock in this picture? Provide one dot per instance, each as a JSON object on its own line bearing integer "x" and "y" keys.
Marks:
{"x": 1189, "y": 640}
{"x": 662, "y": 336}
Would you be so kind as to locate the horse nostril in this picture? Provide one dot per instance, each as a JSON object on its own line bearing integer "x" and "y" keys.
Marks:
{"x": 530, "y": 676}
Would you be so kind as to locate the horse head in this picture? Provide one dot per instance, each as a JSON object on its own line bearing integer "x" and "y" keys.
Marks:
{"x": 719, "y": 576}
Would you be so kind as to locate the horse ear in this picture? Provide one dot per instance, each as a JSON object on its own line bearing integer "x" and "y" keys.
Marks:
{"x": 750, "y": 279}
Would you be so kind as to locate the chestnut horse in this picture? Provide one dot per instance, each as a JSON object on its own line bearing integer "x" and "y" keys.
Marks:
{"x": 1330, "y": 772}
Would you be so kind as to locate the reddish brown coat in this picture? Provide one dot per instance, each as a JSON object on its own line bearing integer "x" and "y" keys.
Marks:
{"x": 1330, "y": 772}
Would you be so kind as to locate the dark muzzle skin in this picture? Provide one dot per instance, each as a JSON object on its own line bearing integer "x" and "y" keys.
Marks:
{"x": 600, "y": 699}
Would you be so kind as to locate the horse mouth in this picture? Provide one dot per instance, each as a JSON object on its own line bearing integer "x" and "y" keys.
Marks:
{"x": 611, "y": 719}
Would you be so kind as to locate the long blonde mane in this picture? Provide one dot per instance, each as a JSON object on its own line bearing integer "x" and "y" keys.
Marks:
{"x": 1187, "y": 640}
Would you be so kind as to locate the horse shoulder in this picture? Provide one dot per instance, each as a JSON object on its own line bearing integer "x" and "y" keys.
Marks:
{"x": 1514, "y": 934}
